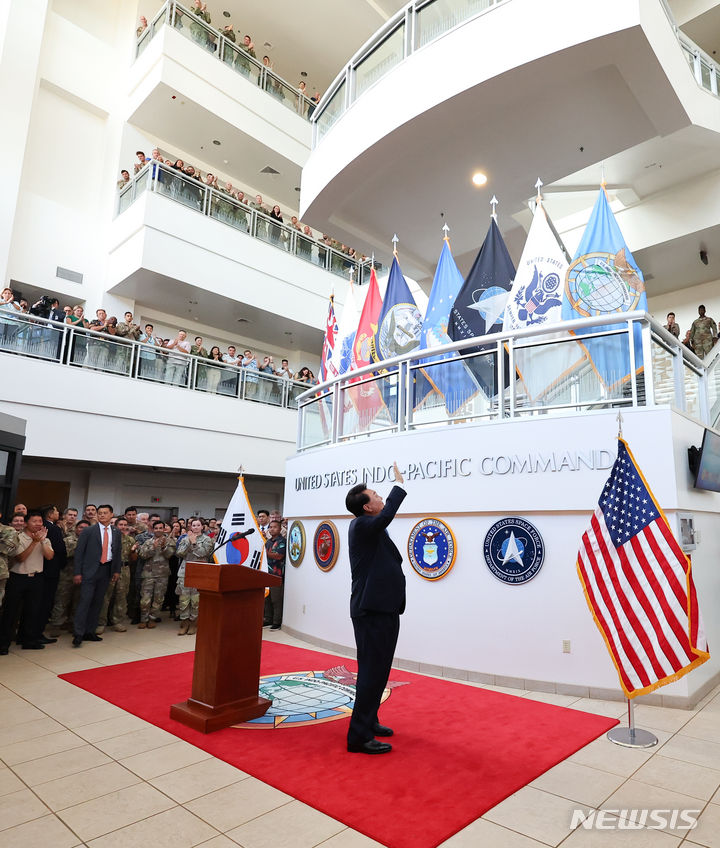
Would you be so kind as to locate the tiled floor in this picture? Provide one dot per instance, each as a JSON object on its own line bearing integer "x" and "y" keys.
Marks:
{"x": 75, "y": 770}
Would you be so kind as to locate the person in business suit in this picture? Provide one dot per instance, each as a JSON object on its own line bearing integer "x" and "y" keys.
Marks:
{"x": 98, "y": 559}
{"x": 377, "y": 601}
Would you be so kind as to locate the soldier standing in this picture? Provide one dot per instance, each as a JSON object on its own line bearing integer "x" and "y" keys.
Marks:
{"x": 156, "y": 552}
{"x": 67, "y": 594}
{"x": 115, "y": 613}
{"x": 703, "y": 333}
{"x": 8, "y": 547}
{"x": 197, "y": 547}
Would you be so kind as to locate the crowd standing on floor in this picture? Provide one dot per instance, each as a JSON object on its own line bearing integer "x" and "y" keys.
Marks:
{"x": 83, "y": 574}
{"x": 154, "y": 360}
{"x": 193, "y": 180}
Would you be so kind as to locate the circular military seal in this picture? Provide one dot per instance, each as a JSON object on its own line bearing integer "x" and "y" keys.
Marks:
{"x": 296, "y": 543}
{"x": 326, "y": 545}
{"x": 302, "y": 698}
{"x": 514, "y": 550}
{"x": 431, "y": 548}
{"x": 600, "y": 282}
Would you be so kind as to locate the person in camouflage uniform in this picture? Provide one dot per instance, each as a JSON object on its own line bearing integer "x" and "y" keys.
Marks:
{"x": 118, "y": 592}
{"x": 128, "y": 329}
{"x": 66, "y": 595}
{"x": 196, "y": 547}
{"x": 8, "y": 546}
{"x": 156, "y": 552}
{"x": 703, "y": 333}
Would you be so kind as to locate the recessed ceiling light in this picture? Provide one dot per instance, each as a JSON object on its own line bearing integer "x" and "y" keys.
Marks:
{"x": 225, "y": 161}
{"x": 297, "y": 188}
{"x": 479, "y": 179}
{"x": 215, "y": 141}
{"x": 303, "y": 73}
{"x": 268, "y": 45}
{"x": 226, "y": 14}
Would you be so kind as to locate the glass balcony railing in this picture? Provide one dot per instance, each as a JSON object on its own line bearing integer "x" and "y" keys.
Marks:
{"x": 64, "y": 344}
{"x": 573, "y": 367}
{"x": 215, "y": 203}
{"x": 422, "y": 22}
{"x": 193, "y": 27}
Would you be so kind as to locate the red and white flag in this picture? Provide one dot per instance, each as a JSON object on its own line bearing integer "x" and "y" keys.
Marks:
{"x": 331, "y": 329}
{"x": 638, "y": 584}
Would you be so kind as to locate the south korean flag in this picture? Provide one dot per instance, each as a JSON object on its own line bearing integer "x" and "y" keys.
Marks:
{"x": 237, "y": 546}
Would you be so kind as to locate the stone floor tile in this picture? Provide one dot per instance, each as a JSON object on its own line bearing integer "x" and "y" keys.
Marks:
{"x": 294, "y": 825}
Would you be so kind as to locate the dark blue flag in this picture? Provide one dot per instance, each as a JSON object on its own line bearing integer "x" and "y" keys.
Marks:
{"x": 480, "y": 305}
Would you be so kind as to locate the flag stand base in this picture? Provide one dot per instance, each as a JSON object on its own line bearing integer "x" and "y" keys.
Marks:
{"x": 630, "y": 736}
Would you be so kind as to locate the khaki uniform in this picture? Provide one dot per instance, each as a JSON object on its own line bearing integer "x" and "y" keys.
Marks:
{"x": 703, "y": 333}
{"x": 8, "y": 547}
{"x": 189, "y": 597}
{"x": 155, "y": 573}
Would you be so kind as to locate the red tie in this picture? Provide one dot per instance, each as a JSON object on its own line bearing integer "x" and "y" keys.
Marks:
{"x": 103, "y": 555}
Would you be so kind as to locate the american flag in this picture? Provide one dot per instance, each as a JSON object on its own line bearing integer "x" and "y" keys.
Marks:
{"x": 638, "y": 584}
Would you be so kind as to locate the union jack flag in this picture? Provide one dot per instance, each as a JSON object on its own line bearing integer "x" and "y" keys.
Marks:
{"x": 638, "y": 584}
{"x": 331, "y": 329}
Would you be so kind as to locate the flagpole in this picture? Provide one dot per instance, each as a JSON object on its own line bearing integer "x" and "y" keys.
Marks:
{"x": 631, "y": 736}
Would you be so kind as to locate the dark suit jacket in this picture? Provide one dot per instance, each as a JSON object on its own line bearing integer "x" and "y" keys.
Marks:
{"x": 55, "y": 536}
{"x": 89, "y": 548}
{"x": 378, "y": 582}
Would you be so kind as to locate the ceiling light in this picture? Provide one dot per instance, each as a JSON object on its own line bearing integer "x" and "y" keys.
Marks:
{"x": 479, "y": 179}
{"x": 215, "y": 141}
{"x": 297, "y": 188}
{"x": 226, "y": 14}
{"x": 303, "y": 73}
{"x": 268, "y": 45}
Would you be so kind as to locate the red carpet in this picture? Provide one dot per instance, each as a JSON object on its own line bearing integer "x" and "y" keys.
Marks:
{"x": 457, "y": 750}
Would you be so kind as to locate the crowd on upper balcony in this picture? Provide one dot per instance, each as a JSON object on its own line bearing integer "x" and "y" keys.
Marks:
{"x": 208, "y": 37}
{"x": 157, "y": 364}
{"x": 192, "y": 176}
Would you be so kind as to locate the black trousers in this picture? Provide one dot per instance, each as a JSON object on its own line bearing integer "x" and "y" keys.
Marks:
{"x": 50, "y": 577}
{"x": 376, "y": 635}
{"x": 92, "y": 594}
{"x": 23, "y": 594}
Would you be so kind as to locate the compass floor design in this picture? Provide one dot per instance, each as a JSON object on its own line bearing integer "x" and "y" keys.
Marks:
{"x": 76, "y": 770}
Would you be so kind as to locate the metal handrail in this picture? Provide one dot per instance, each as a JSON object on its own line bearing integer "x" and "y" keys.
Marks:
{"x": 172, "y": 12}
{"x": 78, "y": 347}
{"x": 409, "y": 16}
{"x": 207, "y": 200}
{"x": 404, "y": 369}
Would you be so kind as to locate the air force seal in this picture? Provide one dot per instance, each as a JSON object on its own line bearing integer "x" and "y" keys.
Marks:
{"x": 431, "y": 548}
{"x": 514, "y": 550}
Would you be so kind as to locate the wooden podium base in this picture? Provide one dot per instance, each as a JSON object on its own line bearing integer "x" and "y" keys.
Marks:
{"x": 206, "y": 718}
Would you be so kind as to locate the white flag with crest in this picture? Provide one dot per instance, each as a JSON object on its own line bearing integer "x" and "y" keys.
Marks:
{"x": 535, "y": 300}
{"x": 239, "y": 537}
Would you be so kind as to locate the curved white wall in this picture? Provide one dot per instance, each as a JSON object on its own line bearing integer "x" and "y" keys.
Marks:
{"x": 469, "y": 620}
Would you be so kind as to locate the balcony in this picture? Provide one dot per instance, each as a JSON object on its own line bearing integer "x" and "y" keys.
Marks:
{"x": 536, "y": 100}
{"x": 553, "y": 373}
{"x": 223, "y": 207}
{"x": 104, "y": 399}
{"x": 192, "y": 27}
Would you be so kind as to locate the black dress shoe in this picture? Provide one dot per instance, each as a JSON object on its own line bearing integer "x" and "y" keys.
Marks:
{"x": 92, "y": 637}
{"x": 76, "y": 642}
{"x": 46, "y": 640}
{"x": 33, "y": 646}
{"x": 381, "y": 730}
{"x": 371, "y": 747}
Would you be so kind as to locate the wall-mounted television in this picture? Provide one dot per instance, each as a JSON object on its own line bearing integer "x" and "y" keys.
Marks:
{"x": 705, "y": 462}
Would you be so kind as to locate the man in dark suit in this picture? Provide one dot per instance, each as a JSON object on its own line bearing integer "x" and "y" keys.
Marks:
{"x": 377, "y": 600}
{"x": 51, "y": 572}
{"x": 98, "y": 559}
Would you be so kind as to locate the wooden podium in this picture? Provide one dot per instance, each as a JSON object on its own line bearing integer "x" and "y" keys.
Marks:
{"x": 226, "y": 672}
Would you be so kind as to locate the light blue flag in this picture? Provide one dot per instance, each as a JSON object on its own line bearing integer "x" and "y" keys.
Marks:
{"x": 604, "y": 279}
{"x": 451, "y": 379}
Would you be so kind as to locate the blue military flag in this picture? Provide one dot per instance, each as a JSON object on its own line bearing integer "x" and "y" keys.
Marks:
{"x": 604, "y": 279}
{"x": 480, "y": 304}
{"x": 451, "y": 379}
{"x": 400, "y": 321}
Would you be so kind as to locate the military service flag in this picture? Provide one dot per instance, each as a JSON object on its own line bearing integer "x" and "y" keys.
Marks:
{"x": 451, "y": 379}
{"x": 366, "y": 396}
{"x": 331, "y": 329}
{"x": 400, "y": 321}
{"x": 638, "y": 584}
{"x": 239, "y": 537}
{"x": 342, "y": 355}
{"x": 603, "y": 279}
{"x": 480, "y": 304}
{"x": 536, "y": 301}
